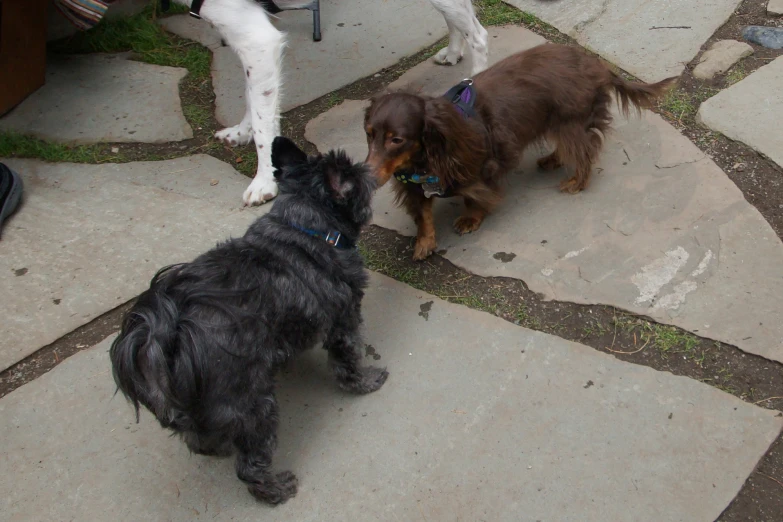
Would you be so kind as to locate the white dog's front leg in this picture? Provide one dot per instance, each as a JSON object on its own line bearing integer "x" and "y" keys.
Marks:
{"x": 452, "y": 54}
{"x": 263, "y": 68}
{"x": 247, "y": 29}
{"x": 460, "y": 17}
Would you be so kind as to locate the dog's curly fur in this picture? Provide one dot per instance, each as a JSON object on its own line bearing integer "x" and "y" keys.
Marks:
{"x": 551, "y": 92}
{"x": 201, "y": 347}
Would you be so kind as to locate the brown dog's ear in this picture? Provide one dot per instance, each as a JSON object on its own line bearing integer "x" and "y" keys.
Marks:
{"x": 454, "y": 147}
{"x": 372, "y": 102}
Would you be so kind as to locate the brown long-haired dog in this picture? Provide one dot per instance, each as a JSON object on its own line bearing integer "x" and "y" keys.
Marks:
{"x": 552, "y": 92}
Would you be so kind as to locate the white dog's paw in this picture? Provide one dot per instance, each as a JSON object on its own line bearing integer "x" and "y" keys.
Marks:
{"x": 235, "y": 136}
{"x": 444, "y": 57}
{"x": 261, "y": 190}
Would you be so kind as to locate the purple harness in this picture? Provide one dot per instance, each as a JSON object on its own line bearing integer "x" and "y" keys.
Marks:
{"x": 463, "y": 96}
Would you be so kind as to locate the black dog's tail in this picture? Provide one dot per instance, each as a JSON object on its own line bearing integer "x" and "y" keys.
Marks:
{"x": 147, "y": 351}
{"x": 637, "y": 94}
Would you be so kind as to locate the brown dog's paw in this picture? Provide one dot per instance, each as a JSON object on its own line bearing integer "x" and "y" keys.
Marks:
{"x": 549, "y": 162}
{"x": 572, "y": 186}
{"x": 425, "y": 246}
{"x": 466, "y": 225}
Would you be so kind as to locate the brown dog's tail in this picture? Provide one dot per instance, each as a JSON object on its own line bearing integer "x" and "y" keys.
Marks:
{"x": 637, "y": 94}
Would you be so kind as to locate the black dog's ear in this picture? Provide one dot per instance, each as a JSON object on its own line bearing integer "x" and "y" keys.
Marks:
{"x": 285, "y": 153}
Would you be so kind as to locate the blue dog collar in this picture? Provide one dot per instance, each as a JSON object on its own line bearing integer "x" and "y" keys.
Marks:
{"x": 333, "y": 237}
{"x": 419, "y": 179}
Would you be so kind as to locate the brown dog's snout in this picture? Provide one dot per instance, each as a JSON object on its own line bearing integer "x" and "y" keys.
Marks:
{"x": 376, "y": 165}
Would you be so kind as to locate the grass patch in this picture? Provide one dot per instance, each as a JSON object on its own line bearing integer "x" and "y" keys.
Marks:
{"x": 671, "y": 340}
{"x": 491, "y": 301}
{"x": 17, "y": 145}
{"x": 496, "y": 12}
{"x": 683, "y": 106}
{"x": 174, "y": 8}
{"x": 522, "y": 317}
{"x": 199, "y": 116}
{"x": 668, "y": 340}
{"x": 382, "y": 261}
{"x": 735, "y": 75}
{"x": 678, "y": 104}
{"x": 246, "y": 161}
{"x": 143, "y": 36}
{"x": 333, "y": 100}
{"x": 434, "y": 48}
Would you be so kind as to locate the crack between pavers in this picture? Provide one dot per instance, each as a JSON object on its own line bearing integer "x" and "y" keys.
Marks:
{"x": 583, "y": 278}
{"x": 615, "y": 230}
{"x": 681, "y": 163}
{"x": 578, "y": 28}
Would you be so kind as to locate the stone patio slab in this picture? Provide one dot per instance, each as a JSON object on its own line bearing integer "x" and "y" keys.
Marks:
{"x": 88, "y": 238}
{"x": 661, "y": 231}
{"x": 103, "y": 98}
{"x": 751, "y": 111}
{"x": 360, "y": 38}
{"x": 502, "y": 41}
{"x": 194, "y": 29}
{"x": 720, "y": 57}
{"x": 651, "y": 39}
{"x": 479, "y": 419}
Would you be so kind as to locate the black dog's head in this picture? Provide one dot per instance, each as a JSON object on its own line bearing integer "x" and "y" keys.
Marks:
{"x": 331, "y": 181}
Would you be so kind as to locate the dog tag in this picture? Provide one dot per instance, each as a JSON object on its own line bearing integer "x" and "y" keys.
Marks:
{"x": 432, "y": 189}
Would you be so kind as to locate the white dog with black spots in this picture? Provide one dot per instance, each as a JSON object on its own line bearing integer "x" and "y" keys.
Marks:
{"x": 246, "y": 28}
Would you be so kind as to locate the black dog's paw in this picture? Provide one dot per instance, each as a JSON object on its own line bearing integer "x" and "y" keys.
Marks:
{"x": 219, "y": 452}
{"x": 276, "y": 490}
{"x": 367, "y": 380}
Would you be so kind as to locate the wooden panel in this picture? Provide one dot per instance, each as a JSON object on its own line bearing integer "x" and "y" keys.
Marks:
{"x": 22, "y": 50}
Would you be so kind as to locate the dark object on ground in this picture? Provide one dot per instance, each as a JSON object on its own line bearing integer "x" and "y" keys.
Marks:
{"x": 200, "y": 349}
{"x": 10, "y": 193}
{"x": 771, "y": 37}
{"x": 553, "y": 92}
{"x": 22, "y": 50}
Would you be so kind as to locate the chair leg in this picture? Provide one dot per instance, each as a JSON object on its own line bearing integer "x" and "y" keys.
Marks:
{"x": 316, "y": 20}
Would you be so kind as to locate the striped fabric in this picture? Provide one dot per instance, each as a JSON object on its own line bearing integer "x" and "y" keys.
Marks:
{"x": 83, "y": 14}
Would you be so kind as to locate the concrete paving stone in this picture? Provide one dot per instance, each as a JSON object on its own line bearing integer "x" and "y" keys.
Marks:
{"x": 661, "y": 230}
{"x": 88, "y": 238}
{"x": 651, "y": 39}
{"x": 775, "y": 7}
{"x": 751, "y": 111}
{"x": 103, "y": 98}
{"x": 720, "y": 57}
{"x": 125, "y": 8}
{"x": 547, "y": 429}
{"x": 503, "y": 42}
{"x": 338, "y": 125}
{"x": 357, "y": 42}
{"x": 194, "y": 29}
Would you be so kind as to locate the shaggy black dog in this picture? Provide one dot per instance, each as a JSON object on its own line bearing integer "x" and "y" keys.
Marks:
{"x": 201, "y": 347}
